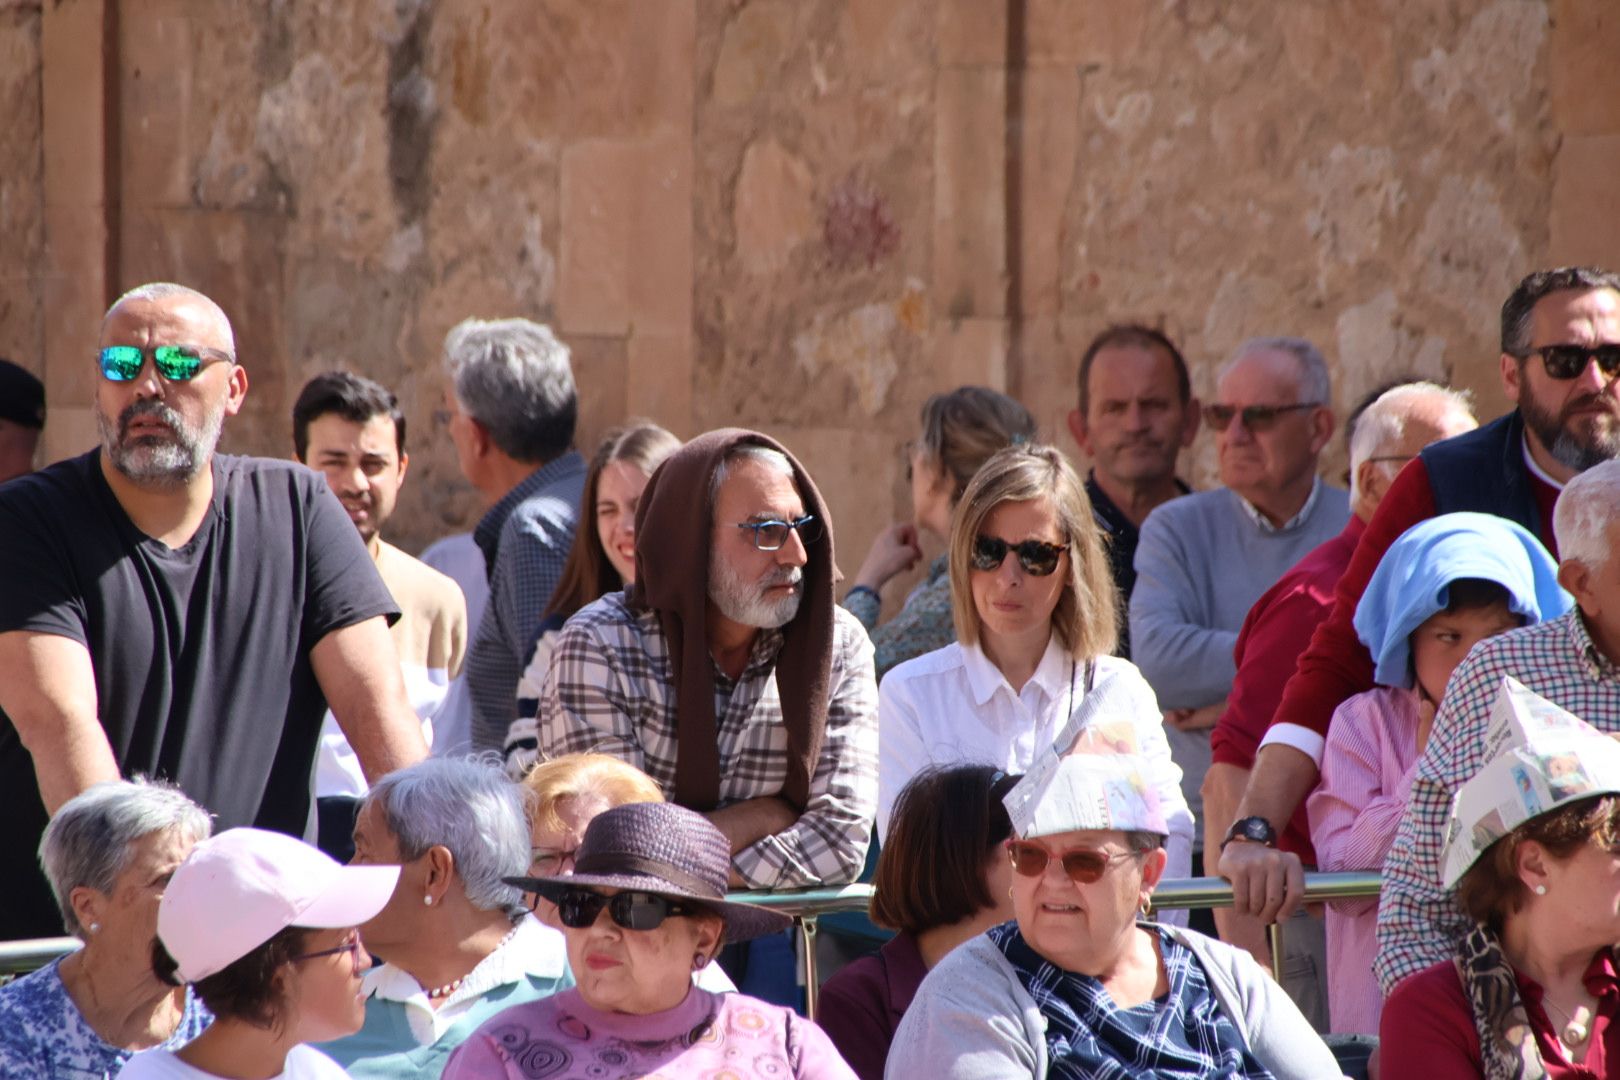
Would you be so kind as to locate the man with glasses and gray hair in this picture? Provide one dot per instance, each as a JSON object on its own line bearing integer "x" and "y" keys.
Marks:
{"x": 512, "y": 408}
{"x": 726, "y": 672}
{"x": 1204, "y": 559}
{"x": 1560, "y": 342}
{"x": 180, "y": 613}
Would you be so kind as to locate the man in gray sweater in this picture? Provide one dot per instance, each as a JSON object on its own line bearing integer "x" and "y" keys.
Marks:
{"x": 1204, "y": 559}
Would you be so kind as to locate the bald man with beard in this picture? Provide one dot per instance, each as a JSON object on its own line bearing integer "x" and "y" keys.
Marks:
{"x": 180, "y": 613}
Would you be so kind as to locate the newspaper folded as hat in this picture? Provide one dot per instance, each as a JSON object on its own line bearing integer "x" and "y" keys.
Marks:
{"x": 1091, "y": 776}
{"x": 1539, "y": 757}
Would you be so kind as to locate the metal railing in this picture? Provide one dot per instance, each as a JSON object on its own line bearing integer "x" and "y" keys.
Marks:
{"x": 807, "y": 905}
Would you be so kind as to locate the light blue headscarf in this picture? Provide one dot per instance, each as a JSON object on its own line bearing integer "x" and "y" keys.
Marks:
{"x": 1413, "y": 581}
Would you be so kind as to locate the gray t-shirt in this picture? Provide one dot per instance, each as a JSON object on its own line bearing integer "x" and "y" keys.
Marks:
{"x": 201, "y": 653}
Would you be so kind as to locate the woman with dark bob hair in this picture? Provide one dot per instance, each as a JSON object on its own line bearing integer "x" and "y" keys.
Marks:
{"x": 263, "y": 928}
{"x": 1534, "y": 857}
{"x": 942, "y": 878}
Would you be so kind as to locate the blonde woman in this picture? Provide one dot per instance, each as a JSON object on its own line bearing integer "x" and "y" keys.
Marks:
{"x": 1034, "y": 608}
{"x": 960, "y": 431}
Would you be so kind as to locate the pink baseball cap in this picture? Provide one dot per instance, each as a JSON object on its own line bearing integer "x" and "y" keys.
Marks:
{"x": 240, "y": 888}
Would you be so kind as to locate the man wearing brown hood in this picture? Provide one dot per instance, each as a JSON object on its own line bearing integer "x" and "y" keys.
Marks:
{"x": 726, "y": 672}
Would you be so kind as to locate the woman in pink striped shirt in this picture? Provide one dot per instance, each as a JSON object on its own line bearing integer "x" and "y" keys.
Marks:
{"x": 1444, "y": 585}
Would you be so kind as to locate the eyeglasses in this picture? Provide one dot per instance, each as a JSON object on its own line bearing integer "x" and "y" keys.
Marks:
{"x": 578, "y": 908}
{"x": 1083, "y": 865}
{"x": 351, "y": 946}
{"x": 1255, "y": 417}
{"x": 176, "y": 363}
{"x": 1568, "y": 361}
{"x": 771, "y": 535}
{"x": 1037, "y": 557}
{"x": 546, "y": 862}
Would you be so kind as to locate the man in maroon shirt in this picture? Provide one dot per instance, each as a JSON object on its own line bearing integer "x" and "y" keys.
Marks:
{"x": 1387, "y": 433}
{"x": 1559, "y": 362}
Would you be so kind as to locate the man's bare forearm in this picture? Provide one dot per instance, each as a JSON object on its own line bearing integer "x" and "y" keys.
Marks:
{"x": 1281, "y": 779}
{"x": 359, "y": 673}
{"x": 752, "y": 820}
{"x": 50, "y": 695}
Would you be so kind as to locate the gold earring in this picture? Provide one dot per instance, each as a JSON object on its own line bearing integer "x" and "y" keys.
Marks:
{"x": 1147, "y": 905}
{"x": 1009, "y": 892}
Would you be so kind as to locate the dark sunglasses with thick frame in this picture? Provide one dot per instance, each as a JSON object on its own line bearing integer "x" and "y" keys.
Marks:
{"x": 578, "y": 907}
{"x": 1254, "y": 417}
{"x": 771, "y": 535}
{"x": 176, "y": 363}
{"x": 1036, "y": 557}
{"x": 1084, "y": 866}
{"x": 1565, "y": 362}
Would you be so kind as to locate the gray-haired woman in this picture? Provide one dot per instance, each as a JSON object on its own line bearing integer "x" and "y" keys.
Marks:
{"x": 457, "y": 944}
{"x": 108, "y": 854}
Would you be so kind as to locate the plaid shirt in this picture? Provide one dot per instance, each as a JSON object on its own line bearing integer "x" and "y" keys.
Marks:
{"x": 1419, "y": 923}
{"x": 611, "y": 689}
{"x": 525, "y": 540}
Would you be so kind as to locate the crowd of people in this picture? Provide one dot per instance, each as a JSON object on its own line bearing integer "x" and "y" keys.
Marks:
{"x": 641, "y": 684}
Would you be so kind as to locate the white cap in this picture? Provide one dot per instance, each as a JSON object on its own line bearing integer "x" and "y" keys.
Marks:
{"x": 1538, "y": 758}
{"x": 1085, "y": 791}
{"x": 239, "y": 889}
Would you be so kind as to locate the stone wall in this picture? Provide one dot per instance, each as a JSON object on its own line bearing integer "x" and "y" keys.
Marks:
{"x": 804, "y": 215}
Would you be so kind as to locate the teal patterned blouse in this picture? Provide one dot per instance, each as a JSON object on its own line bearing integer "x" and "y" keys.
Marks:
{"x": 922, "y": 625}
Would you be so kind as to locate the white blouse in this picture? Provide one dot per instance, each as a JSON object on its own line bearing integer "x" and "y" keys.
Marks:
{"x": 953, "y": 706}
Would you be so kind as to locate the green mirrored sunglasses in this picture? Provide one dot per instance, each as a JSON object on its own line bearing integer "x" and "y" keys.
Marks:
{"x": 176, "y": 363}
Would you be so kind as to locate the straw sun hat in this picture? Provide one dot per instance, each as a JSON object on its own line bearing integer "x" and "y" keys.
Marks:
{"x": 664, "y": 849}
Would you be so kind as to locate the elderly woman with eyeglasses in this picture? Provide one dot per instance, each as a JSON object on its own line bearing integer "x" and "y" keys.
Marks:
{"x": 1036, "y": 618}
{"x": 108, "y": 854}
{"x": 456, "y": 941}
{"x": 1079, "y": 984}
{"x": 645, "y": 907}
{"x": 262, "y": 927}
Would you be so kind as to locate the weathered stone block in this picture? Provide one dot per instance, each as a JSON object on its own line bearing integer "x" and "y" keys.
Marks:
{"x": 968, "y": 352}
{"x": 601, "y": 372}
{"x": 972, "y": 32}
{"x": 1585, "y": 79}
{"x": 22, "y": 193}
{"x": 775, "y": 208}
{"x": 626, "y": 236}
{"x": 754, "y": 48}
{"x": 1051, "y": 136}
{"x": 1104, "y": 32}
{"x": 658, "y": 384}
{"x": 970, "y": 246}
{"x": 1586, "y": 202}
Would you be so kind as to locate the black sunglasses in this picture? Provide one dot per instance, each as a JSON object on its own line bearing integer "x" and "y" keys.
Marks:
{"x": 176, "y": 363}
{"x": 1037, "y": 557}
{"x": 771, "y": 535}
{"x": 1568, "y": 361}
{"x": 1255, "y": 417}
{"x": 578, "y": 908}
{"x": 1083, "y": 865}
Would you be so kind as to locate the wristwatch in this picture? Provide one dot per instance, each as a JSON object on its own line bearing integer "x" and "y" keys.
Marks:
{"x": 1251, "y": 830}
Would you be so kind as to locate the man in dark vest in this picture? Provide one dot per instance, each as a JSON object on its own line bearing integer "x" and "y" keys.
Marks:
{"x": 1560, "y": 359}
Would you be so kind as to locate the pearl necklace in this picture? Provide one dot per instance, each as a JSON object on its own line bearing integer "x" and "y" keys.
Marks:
{"x": 455, "y": 984}
{"x": 1576, "y": 1031}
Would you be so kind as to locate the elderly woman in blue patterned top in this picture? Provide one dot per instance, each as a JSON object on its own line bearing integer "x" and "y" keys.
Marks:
{"x": 1080, "y": 984}
{"x": 108, "y": 854}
